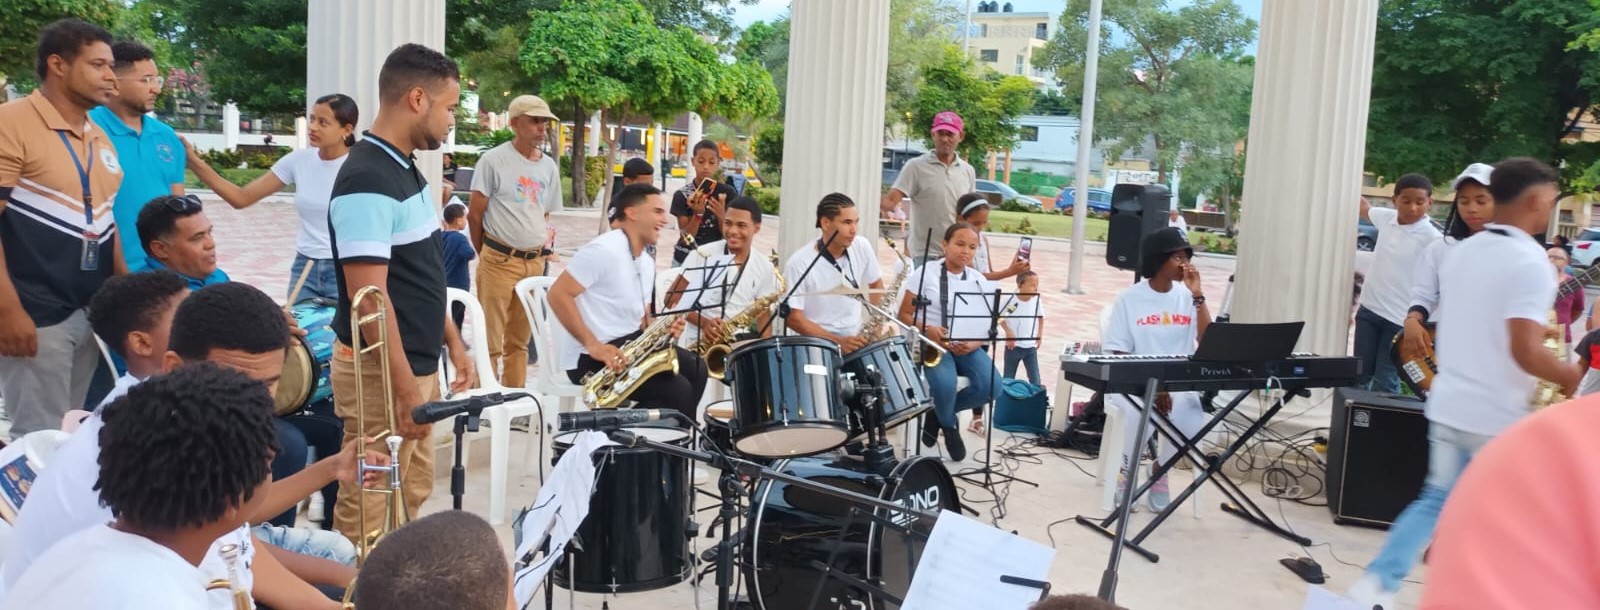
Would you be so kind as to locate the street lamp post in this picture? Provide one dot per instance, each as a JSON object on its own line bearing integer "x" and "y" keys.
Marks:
{"x": 1080, "y": 188}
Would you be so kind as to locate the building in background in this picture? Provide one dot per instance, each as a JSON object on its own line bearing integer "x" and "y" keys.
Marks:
{"x": 1008, "y": 41}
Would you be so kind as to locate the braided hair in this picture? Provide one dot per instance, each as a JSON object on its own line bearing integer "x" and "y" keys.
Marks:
{"x": 831, "y": 205}
{"x": 181, "y": 449}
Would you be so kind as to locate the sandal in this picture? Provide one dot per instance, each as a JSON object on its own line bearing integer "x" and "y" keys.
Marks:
{"x": 976, "y": 427}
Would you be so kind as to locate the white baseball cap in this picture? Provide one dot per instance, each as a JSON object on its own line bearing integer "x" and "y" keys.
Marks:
{"x": 1477, "y": 172}
{"x": 530, "y": 105}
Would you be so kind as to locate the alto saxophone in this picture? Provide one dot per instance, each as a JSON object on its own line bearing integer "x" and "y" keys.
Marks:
{"x": 649, "y": 354}
{"x": 1548, "y": 393}
{"x": 872, "y": 326}
{"x": 716, "y": 353}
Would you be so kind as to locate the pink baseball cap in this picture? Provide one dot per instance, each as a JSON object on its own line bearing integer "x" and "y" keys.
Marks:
{"x": 948, "y": 121}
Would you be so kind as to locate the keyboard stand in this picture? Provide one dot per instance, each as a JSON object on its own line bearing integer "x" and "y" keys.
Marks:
{"x": 1239, "y": 504}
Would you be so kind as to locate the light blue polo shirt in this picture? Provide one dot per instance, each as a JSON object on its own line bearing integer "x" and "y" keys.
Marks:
{"x": 153, "y": 160}
{"x": 216, "y": 277}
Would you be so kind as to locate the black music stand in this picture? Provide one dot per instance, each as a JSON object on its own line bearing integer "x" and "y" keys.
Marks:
{"x": 992, "y": 301}
{"x": 1235, "y": 346}
{"x": 713, "y": 281}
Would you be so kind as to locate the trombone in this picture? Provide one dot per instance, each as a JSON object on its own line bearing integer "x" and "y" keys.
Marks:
{"x": 395, "y": 514}
{"x": 929, "y": 357}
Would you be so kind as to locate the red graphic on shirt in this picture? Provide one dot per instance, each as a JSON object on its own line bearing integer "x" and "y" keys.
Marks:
{"x": 1165, "y": 319}
{"x": 527, "y": 189}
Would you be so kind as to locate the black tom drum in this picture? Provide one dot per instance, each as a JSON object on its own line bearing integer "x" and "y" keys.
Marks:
{"x": 786, "y": 397}
{"x": 635, "y": 537}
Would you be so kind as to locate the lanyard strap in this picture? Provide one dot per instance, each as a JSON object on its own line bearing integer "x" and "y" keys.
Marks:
{"x": 83, "y": 178}
{"x": 847, "y": 276}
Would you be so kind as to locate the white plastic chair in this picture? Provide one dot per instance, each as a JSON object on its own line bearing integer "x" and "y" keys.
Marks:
{"x": 551, "y": 380}
{"x": 1111, "y": 446}
{"x": 499, "y": 416}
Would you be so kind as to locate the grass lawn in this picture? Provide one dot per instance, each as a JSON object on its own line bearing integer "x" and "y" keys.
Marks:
{"x": 1047, "y": 225}
{"x": 240, "y": 177}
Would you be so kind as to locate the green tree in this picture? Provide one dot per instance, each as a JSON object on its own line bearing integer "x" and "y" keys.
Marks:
{"x": 767, "y": 45}
{"x": 24, "y": 19}
{"x": 1166, "y": 74}
{"x": 769, "y": 151}
{"x": 1052, "y": 103}
{"x": 1462, "y": 81}
{"x": 989, "y": 103}
{"x": 254, "y": 51}
{"x": 919, "y": 31}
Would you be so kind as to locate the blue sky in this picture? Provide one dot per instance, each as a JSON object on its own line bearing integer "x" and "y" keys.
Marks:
{"x": 767, "y": 10}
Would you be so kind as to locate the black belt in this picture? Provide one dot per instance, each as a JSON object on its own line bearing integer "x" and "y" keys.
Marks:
{"x": 495, "y": 245}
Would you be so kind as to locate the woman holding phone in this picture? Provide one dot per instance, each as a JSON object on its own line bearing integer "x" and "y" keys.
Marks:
{"x": 975, "y": 211}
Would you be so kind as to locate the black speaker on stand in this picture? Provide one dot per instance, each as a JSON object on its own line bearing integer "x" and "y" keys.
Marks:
{"x": 1136, "y": 211}
{"x": 1377, "y": 456}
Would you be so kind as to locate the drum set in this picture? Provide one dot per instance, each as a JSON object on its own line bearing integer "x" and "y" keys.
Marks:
{"x": 817, "y": 510}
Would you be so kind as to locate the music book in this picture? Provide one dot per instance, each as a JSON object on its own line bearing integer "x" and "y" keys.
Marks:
{"x": 16, "y": 478}
{"x": 962, "y": 566}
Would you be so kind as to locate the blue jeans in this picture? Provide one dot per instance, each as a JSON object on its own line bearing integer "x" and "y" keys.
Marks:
{"x": 323, "y": 432}
{"x": 1374, "y": 336}
{"x": 1449, "y": 451}
{"x": 322, "y": 283}
{"x": 322, "y": 544}
{"x": 977, "y": 368}
{"x": 291, "y": 458}
{"x": 1028, "y": 357}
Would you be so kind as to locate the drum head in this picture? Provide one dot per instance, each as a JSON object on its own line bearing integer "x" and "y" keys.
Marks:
{"x": 298, "y": 381}
{"x": 721, "y": 411}
{"x": 793, "y": 440}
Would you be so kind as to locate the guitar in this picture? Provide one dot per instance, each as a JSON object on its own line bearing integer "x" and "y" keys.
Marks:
{"x": 1418, "y": 367}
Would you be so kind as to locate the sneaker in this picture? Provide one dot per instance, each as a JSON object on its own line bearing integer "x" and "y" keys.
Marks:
{"x": 952, "y": 442}
{"x": 930, "y": 430}
{"x": 1160, "y": 495}
{"x": 1367, "y": 592}
{"x": 316, "y": 512}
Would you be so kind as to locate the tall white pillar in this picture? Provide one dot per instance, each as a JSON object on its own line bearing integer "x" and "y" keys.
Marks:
{"x": 347, "y": 41}
{"x": 302, "y": 137}
{"x": 697, "y": 128}
{"x": 838, "y": 63}
{"x": 230, "y": 126}
{"x": 593, "y": 134}
{"x": 1303, "y": 178}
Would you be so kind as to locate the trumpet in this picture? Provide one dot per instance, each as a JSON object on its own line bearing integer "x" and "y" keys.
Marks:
{"x": 395, "y": 514}
{"x": 241, "y": 597}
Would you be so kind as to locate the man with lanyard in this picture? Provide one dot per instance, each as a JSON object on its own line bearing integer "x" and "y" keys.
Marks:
{"x": 384, "y": 223}
{"x": 933, "y": 181}
{"x": 848, "y": 261}
{"x": 151, "y": 154}
{"x": 515, "y": 189}
{"x": 603, "y": 299}
{"x": 724, "y": 277}
{"x": 58, "y": 238}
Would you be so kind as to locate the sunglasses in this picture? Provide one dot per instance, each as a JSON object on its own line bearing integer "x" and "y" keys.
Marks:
{"x": 186, "y": 204}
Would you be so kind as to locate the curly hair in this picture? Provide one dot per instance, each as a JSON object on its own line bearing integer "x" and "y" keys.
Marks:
{"x": 1073, "y": 602}
{"x": 180, "y": 449}
{"x": 128, "y": 303}
{"x": 227, "y": 316}
{"x": 444, "y": 561}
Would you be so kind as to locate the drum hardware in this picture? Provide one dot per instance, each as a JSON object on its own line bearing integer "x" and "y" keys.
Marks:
{"x": 732, "y": 469}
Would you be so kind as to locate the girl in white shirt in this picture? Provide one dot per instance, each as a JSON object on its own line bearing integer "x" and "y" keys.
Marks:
{"x": 949, "y": 287}
{"x": 331, "y": 130}
{"x": 1163, "y": 315}
{"x": 1473, "y": 208}
{"x": 975, "y": 211}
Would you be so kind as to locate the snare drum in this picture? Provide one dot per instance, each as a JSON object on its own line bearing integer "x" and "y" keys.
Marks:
{"x": 905, "y": 394}
{"x": 305, "y": 366}
{"x": 786, "y": 397}
{"x": 636, "y": 535}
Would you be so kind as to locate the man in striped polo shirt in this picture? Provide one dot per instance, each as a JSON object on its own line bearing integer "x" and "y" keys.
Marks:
{"x": 58, "y": 240}
{"x": 384, "y": 223}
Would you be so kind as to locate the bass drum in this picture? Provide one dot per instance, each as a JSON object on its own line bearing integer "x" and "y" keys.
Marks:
{"x": 636, "y": 536}
{"x": 790, "y": 527}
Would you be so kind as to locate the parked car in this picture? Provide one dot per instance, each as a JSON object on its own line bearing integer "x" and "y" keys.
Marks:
{"x": 1367, "y": 235}
{"x": 1586, "y": 247}
{"x": 1099, "y": 200}
{"x": 1007, "y": 193}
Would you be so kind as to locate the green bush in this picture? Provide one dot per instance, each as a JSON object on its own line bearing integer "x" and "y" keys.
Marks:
{"x": 767, "y": 197}
{"x": 768, "y": 149}
{"x": 465, "y": 159}
{"x": 1014, "y": 205}
{"x": 220, "y": 159}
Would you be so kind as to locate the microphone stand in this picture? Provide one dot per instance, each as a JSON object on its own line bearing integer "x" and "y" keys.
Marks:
{"x": 469, "y": 421}
{"x": 794, "y": 285}
{"x": 920, "y": 317}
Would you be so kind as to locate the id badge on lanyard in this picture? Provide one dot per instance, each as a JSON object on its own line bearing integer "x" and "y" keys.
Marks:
{"x": 90, "y": 259}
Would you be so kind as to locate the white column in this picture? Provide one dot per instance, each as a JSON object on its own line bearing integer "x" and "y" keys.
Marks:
{"x": 301, "y": 137}
{"x": 838, "y": 63}
{"x": 697, "y": 128}
{"x": 593, "y": 134}
{"x": 1303, "y": 178}
{"x": 230, "y": 126}
{"x": 347, "y": 41}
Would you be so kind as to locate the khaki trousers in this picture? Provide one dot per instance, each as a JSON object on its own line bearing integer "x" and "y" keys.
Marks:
{"x": 416, "y": 457}
{"x": 503, "y": 318}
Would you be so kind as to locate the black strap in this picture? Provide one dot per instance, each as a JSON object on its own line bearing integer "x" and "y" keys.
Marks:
{"x": 945, "y": 302}
{"x": 828, "y": 256}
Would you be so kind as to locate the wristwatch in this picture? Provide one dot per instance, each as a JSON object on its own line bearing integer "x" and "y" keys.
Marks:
{"x": 1199, "y": 300}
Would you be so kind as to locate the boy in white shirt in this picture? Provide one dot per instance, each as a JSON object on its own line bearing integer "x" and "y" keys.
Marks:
{"x": 1024, "y": 325}
{"x": 1403, "y": 234}
{"x": 184, "y": 459}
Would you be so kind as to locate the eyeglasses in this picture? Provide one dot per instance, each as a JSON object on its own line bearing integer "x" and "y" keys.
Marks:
{"x": 147, "y": 80}
{"x": 186, "y": 204}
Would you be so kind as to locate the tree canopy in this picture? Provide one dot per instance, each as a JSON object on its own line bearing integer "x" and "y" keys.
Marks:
{"x": 1170, "y": 75}
{"x": 24, "y": 19}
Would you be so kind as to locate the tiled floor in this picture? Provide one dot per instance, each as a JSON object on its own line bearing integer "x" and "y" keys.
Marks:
{"x": 1209, "y": 561}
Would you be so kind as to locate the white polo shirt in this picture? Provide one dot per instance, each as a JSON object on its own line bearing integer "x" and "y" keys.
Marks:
{"x": 101, "y": 567}
{"x": 714, "y": 280}
{"x": 616, "y": 287}
{"x": 1497, "y": 275}
{"x": 1425, "y": 285}
{"x": 858, "y": 268}
{"x": 1387, "y": 290}
{"x": 955, "y": 303}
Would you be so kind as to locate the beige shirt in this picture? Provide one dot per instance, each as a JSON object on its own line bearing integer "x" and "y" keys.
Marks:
{"x": 934, "y": 188}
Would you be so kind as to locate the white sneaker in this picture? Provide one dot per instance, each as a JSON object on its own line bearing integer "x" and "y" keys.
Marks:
{"x": 316, "y": 511}
{"x": 1367, "y": 593}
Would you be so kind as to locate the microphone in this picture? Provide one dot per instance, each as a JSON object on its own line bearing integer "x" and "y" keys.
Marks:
{"x": 430, "y": 412}
{"x": 608, "y": 419}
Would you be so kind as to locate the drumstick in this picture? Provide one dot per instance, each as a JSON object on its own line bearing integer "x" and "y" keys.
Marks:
{"x": 305, "y": 273}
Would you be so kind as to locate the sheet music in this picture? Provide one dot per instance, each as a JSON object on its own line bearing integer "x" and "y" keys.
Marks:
{"x": 963, "y": 562}
{"x": 562, "y": 505}
{"x": 1318, "y": 598}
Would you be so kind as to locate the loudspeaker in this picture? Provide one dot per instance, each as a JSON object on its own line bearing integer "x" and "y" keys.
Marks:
{"x": 1136, "y": 211}
{"x": 1377, "y": 456}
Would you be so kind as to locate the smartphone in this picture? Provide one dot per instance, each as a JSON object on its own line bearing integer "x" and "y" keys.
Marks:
{"x": 1025, "y": 251}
